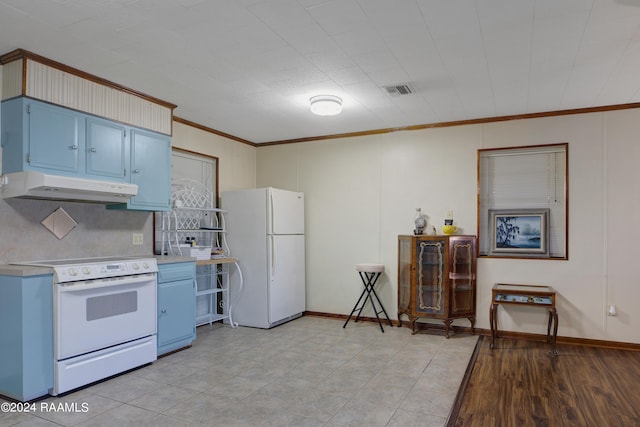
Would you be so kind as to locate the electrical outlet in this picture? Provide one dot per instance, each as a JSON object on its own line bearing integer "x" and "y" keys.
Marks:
{"x": 611, "y": 311}
{"x": 138, "y": 239}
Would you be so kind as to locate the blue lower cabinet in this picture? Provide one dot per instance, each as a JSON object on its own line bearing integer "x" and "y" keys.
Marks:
{"x": 26, "y": 336}
{"x": 176, "y": 306}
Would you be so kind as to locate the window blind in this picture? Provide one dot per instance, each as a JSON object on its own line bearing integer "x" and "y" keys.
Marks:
{"x": 524, "y": 178}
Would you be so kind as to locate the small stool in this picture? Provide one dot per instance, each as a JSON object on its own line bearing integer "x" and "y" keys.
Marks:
{"x": 369, "y": 273}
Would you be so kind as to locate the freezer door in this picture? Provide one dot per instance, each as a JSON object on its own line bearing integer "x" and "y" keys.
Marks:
{"x": 285, "y": 212}
{"x": 246, "y": 217}
{"x": 286, "y": 277}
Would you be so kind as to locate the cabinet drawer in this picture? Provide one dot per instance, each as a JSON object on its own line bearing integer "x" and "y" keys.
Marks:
{"x": 176, "y": 271}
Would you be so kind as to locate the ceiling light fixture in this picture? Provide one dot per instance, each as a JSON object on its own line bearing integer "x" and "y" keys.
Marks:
{"x": 325, "y": 105}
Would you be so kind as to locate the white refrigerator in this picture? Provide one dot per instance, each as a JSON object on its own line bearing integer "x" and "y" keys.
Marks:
{"x": 265, "y": 231}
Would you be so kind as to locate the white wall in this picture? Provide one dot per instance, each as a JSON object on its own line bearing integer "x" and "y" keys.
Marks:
{"x": 621, "y": 208}
{"x": 362, "y": 192}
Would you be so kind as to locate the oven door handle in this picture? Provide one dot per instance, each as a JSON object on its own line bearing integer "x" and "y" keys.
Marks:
{"x": 106, "y": 283}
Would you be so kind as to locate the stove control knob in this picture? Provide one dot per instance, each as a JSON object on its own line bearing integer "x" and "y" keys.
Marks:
{"x": 136, "y": 266}
{"x": 86, "y": 270}
{"x": 145, "y": 265}
{"x": 73, "y": 272}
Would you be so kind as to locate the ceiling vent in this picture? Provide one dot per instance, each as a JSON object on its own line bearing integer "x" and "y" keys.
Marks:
{"x": 399, "y": 89}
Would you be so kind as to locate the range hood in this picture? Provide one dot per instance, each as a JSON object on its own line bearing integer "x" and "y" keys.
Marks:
{"x": 37, "y": 185}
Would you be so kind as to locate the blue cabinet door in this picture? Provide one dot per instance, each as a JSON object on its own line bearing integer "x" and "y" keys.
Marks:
{"x": 150, "y": 170}
{"x": 176, "y": 306}
{"x": 54, "y": 138}
{"x": 176, "y": 313}
{"x": 13, "y": 129}
{"x": 107, "y": 154}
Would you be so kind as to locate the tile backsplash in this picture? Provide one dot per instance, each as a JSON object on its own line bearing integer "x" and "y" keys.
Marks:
{"x": 100, "y": 232}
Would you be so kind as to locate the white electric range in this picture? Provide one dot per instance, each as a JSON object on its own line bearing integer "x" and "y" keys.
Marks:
{"x": 104, "y": 317}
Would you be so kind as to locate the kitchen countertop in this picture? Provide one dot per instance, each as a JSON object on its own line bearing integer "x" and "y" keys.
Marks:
{"x": 23, "y": 270}
{"x": 28, "y": 270}
{"x": 168, "y": 259}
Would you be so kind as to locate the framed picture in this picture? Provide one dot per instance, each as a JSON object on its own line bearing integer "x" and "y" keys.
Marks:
{"x": 519, "y": 232}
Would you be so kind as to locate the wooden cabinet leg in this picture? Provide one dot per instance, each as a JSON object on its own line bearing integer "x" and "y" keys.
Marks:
{"x": 492, "y": 322}
{"x": 555, "y": 330}
{"x": 447, "y": 323}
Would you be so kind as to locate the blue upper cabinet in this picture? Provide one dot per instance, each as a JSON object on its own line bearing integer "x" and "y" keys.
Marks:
{"x": 54, "y": 138}
{"x": 150, "y": 170}
{"x": 107, "y": 153}
{"x": 43, "y": 137}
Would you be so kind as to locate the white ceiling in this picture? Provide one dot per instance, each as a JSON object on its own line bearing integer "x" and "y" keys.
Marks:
{"x": 249, "y": 67}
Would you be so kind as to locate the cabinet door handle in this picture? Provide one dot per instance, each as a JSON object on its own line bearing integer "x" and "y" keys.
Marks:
{"x": 163, "y": 311}
{"x": 73, "y": 147}
{"x": 93, "y": 149}
{"x": 136, "y": 171}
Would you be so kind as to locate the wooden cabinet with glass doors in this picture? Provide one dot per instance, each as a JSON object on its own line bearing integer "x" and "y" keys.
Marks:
{"x": 437, "y": 279}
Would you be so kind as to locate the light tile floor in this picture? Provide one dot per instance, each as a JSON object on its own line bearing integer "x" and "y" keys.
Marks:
{"x": 308, "y": 372}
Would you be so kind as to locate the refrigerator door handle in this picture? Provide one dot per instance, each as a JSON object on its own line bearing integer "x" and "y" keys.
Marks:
{"x": 273, "y": 258}
{"x": 270, "y": 231}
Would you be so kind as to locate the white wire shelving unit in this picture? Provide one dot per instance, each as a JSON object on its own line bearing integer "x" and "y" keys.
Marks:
{"x": 195, "y": 228}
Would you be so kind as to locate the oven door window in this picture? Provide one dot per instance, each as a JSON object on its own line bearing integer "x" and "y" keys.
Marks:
{"x": 91, "y": 319}
{"x": 111, "y": 305}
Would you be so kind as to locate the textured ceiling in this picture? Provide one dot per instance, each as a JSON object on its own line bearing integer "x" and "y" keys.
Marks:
{"x": 248, "y": 67}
